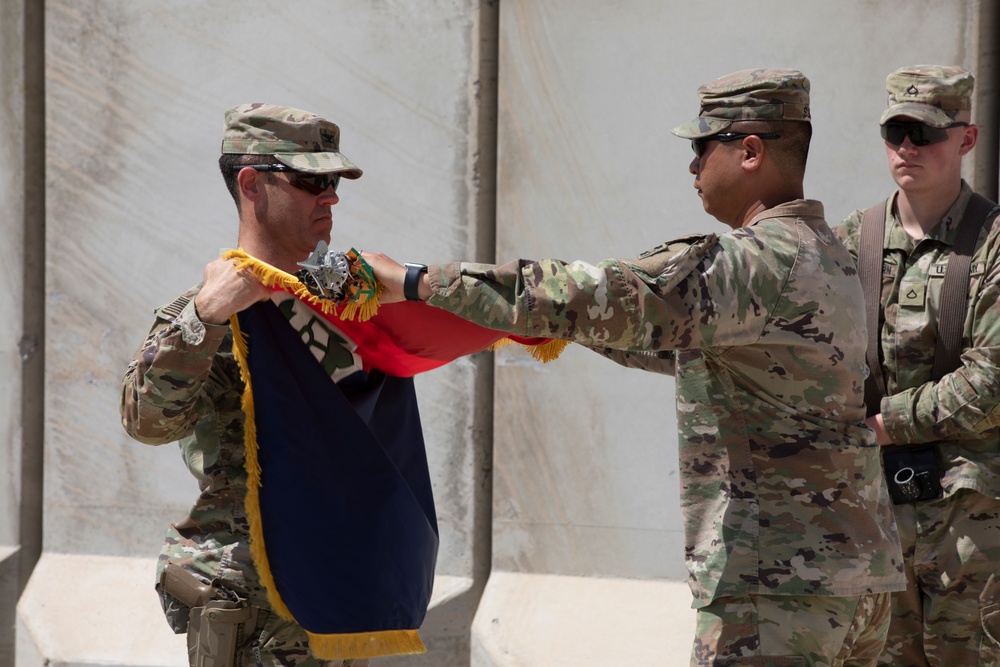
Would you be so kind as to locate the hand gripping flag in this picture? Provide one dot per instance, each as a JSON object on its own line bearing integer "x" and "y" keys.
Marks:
{"x": 342, "y": 522}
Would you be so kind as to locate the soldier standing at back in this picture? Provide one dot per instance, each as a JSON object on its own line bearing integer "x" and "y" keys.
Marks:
{"x": 933, "y": 389}
{"x": 789, "y": 536}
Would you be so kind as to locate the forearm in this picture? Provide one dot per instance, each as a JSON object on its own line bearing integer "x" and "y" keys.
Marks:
{"x": 963, "y": 402}
{"x": 959, "y": 406}
{"x": 639, "y": 304}
{"x": 588, "y": 304}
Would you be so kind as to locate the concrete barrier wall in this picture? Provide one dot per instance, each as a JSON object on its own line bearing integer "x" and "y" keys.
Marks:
{"x": 12, "y": 263}
{"x": 560, "y": 478}
{"x": 12, "y": 267}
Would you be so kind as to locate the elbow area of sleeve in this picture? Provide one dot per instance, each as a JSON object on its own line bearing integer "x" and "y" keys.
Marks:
{"x": 147, "y": 431}
{"x": 148, "y": 424}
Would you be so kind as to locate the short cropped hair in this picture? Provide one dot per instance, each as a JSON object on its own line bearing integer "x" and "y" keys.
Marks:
{"x": 229, "y": 164}
{"x": 791, "y": 150}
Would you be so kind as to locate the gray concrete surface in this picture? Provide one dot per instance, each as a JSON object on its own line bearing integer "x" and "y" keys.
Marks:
{"x": 12, "y": 274}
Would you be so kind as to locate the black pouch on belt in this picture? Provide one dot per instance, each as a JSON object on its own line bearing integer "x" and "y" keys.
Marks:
{"x": 912, "y": 472}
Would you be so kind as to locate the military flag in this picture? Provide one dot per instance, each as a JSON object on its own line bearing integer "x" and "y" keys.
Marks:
{"x": 342, "y": 520}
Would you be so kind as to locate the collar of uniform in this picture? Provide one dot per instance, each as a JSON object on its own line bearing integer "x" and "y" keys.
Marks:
{"x": 945, "y": 231}
{"x": 797, "y": 208}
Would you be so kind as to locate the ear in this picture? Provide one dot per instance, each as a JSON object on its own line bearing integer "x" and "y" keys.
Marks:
{"x": 753, "y": 153}
{"x": 249, "y": 183}
{"x": 969, "y": 138}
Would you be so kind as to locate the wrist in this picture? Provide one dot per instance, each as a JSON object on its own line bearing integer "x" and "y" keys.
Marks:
{"x": 415, "y": 283}
{"x": 204, "y": 312}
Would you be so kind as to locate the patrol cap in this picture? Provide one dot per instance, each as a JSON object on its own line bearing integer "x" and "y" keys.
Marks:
{"x": 933, "y": 94}
{"x": 298, "y": 139}
{"x": 753, "y": 94}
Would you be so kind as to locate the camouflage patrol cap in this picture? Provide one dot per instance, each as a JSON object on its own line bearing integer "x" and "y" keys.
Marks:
{"x": 297, "y": 138}
{"x": 933, "y": 94}
{"x": 753, "y": 94}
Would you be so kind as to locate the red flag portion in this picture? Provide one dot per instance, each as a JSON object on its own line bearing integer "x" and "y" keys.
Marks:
{"x": 400, "y": 339}
{"x": 407, "y": 338}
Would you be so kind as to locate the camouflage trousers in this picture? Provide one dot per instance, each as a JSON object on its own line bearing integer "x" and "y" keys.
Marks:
{"x": 949, "y": 614}
{"x": 281, "y": 643}
{"x": 792, "y": 631}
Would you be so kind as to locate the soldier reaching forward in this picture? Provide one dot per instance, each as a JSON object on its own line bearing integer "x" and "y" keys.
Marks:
{"x": 790, "y": 541}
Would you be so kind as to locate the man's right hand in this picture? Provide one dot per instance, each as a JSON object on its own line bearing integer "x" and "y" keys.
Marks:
{"x": 391, "y": 274}
{"x": 876, "y": 424}
{"x": 226, "y": 291}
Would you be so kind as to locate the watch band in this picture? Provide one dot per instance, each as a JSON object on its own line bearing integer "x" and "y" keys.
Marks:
{"x": 411, "y": 282}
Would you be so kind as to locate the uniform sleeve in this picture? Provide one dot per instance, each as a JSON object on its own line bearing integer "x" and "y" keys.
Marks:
{"x": 163, "y": 390}
{"x": 663, "y": 362}
{"x": 686, "y": 294}
{"x": 966, "y": 400}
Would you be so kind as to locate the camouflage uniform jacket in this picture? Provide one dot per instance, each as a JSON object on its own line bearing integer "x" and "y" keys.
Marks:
{"x": 781, "y": 486}
{"x": 961, "y": 410}
{"x": 183, "y": 384}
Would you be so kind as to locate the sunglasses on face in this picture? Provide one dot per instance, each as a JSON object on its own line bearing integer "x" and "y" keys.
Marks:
{"x": 698, "y": 145}
{"x": 314, "y": 184}
{"x": 919, "y": 134}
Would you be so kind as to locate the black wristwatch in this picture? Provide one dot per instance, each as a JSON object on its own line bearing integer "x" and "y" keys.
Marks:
{"x": 411, "y": 282}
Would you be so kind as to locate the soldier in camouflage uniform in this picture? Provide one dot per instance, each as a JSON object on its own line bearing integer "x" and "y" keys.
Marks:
{"x": 790, "y": 542}
{"x": 950, "y": 612}
{"x": 282, "y": 166}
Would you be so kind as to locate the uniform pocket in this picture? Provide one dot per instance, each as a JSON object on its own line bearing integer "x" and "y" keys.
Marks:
{"x": 989, "y": 611}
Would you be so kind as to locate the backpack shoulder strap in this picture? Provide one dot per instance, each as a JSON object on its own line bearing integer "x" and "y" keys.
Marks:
{"x": 872, "y": 239}
{"x": 955, "y": 290}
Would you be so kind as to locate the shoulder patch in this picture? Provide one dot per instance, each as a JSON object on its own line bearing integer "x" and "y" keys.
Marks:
{"x": 677, "y": 244}
{"x": 172, "y": 310}
{"x": 671, "y": 261}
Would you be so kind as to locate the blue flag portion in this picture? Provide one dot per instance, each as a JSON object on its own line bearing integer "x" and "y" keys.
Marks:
{"x": 345, "y": 503}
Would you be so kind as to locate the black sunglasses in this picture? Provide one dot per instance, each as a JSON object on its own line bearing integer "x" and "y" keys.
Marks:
{"x": 698, "y": 145}
{"x": 919, "y": 134}
{"x": 314, "y": 184}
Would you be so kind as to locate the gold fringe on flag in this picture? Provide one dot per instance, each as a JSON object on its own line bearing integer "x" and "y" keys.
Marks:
{"x": 252, "y": 465}
{"x": 323, "y": 646}
{"x": 362, "y": 303}
{"x": 546, "y": 352}
{"x": 365, "y": 644}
